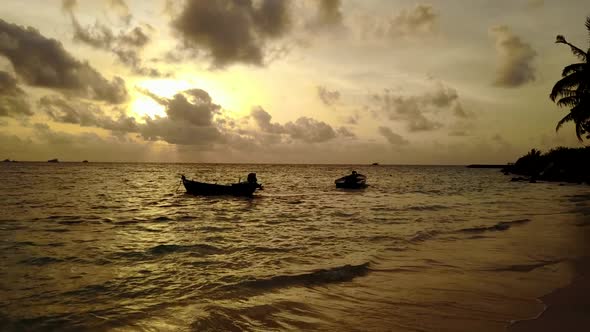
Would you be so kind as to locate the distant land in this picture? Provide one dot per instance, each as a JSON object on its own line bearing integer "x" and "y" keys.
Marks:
{"x": 485, "y": 166}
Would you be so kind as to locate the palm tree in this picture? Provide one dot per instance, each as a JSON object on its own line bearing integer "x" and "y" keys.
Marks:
{"x": 573, "y": 89}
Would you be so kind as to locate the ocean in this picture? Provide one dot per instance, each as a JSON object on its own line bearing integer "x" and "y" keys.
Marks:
{"x": 122, "y": 247}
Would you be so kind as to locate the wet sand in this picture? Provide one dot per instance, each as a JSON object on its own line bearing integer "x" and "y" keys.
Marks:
{"x": 567, "y": 308}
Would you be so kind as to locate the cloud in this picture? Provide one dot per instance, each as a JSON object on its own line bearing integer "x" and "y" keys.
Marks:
{"x": 413, "y": 110}
{"x": 232, "y": 31}
{"x": 328, "y": 97}
{"x": 515, "y": 59}
{"x": 263, "y": 118}
{"x": 345, "y": 132}
{"x": 421, "y": 19}
{"x": 43, "y": 62}
{"x": 304, "y": 129}
{"x": 408, "y": 109}
{"x": 85, "y": 114}
{"x": 69, "y": 5}
{"x": 310, "y": 130}
{"x": 193, "y": 106}
{"x": 121, "y": 8}
{"x": 392, "y": 138}
{"x": 13, "y": 100}
{"x": 189, "y": 118}
{"x": 98, "y": 36}
{"x": 127, "y": 45}
{"x": 329, "y": 13}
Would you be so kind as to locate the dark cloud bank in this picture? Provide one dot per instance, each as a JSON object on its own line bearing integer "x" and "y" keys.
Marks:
{"x": 43, "y": 62}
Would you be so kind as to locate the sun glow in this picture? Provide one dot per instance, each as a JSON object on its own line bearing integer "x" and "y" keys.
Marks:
{"x": 143, "y": 105}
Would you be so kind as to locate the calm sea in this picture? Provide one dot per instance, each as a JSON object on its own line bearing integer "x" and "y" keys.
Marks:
{"x": 103, "y": 246}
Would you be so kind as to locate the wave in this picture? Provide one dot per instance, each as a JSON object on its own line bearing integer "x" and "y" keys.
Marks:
{"x": 422, "y": 236}
{"x": 526, "y": 267}
{"x": 162, "y": 219}
{"x": 501, "y": 226}
{"x": 319, "y": 277}
{"x": 164, "y": 249}
{"x": 433, "y": 207}
{"x": 41, "y": 261}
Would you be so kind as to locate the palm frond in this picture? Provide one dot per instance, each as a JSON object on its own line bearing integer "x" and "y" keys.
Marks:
{"x": 570, "y": 101}
{"x": 577, "y": 51}
{"x": 567, "y": 83}
{"x": 580, "y": 131}
{"x": 588, "y": 25}
{"x": 565, "y": 119}
{"x": 575, "y": 67}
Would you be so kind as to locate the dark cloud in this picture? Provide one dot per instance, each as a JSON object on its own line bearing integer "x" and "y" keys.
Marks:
{"x": 328, "y": 97}
{"x": 304, "y": 129}
{"x": 392, "y": 138}
{"x": 345, "y": 132}
{"x": 189, "y": 119}
{"x": 515, "y": 58}
{"x": 85, "y": 114}
{"x": 310, "y": 130}
{"x": 97, "y": 36}
{"x": 420, "y": 19}
{"x": 43, "y": 62}
{"x": 329, "y": 13}
{"x": 127, "y": 45}
{"x": 263, "y": 118}
{"x": 408, "y": 109}
{"x": 413, "y": 110}
{"x": 191, "y": 106}
{"x": 13, "y": 100}
{"x": 69, "y": 5}
{"x": 232, "y": 31}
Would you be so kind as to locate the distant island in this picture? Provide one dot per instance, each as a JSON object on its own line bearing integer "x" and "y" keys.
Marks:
{"x": 559, "y": 164}
{"x": 485, "y": 166}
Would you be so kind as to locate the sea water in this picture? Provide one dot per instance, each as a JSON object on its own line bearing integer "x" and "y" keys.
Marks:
{"x": 114, "y": 246}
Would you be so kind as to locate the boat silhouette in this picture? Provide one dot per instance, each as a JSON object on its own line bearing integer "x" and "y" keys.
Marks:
{"x": 209, "y": 189}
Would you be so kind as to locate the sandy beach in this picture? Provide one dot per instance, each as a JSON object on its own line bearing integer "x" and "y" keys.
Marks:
{"x": 567, "y": 308}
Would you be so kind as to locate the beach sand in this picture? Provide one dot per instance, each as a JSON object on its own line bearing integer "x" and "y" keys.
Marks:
{"x": 567, "y": 308}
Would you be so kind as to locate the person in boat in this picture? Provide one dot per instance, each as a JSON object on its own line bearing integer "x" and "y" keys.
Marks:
{"x": 253, "y": 180}
{"x": 352, "y": 177}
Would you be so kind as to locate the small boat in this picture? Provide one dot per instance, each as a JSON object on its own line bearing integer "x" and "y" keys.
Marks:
{"x": 209, "y": 189}
{"x": 375, "y": 164}
{"x": 53, "y": 160}
{"x": 352, "y": 181}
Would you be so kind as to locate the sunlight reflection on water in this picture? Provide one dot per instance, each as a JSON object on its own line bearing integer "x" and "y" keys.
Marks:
{"x": 98, "y": 246}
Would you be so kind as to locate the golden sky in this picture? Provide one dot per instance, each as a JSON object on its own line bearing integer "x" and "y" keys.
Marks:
{"x": 283, "y": 81}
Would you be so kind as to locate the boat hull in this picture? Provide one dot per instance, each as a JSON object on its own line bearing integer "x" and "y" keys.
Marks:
{"x": 358, "y": 181}
{"x": 344, "y": 185}
{"x": 209, "y": 189}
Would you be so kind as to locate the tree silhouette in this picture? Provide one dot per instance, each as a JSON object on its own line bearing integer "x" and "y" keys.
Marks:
{"x": 573, "y": 89}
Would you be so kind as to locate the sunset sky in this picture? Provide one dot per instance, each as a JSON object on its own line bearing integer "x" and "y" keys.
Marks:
{"x": 272, "y": 81}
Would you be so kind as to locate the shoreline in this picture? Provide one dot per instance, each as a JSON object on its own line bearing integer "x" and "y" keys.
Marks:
{"x": 566, "y": 308}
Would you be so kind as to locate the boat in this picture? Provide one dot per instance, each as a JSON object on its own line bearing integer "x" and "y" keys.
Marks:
{"x": 375, "y": 164}
{"x": 53, "y": 160}
{"x": 209, "y": 189}
{"x": 352, "y": 181}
